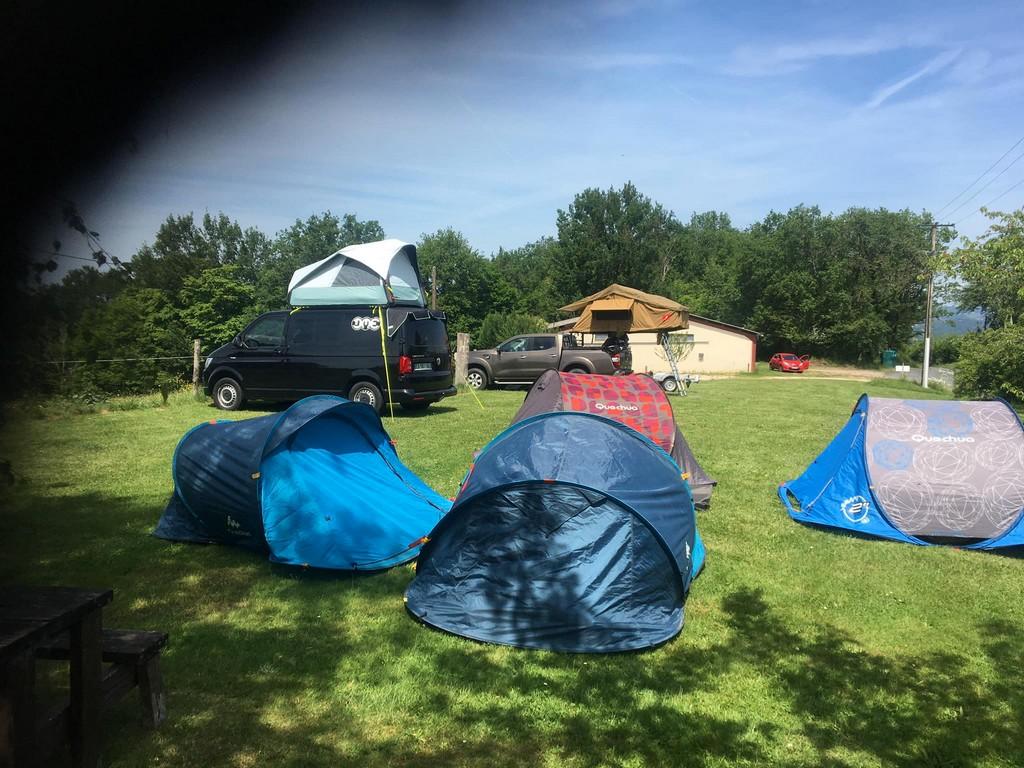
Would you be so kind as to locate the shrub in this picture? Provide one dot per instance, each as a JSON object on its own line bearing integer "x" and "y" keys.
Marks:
{"x": 167, "y": 383}
{"x": 992, "y": 364}
{"x": 945, "y": 350}
{"x": 498, "y": 326}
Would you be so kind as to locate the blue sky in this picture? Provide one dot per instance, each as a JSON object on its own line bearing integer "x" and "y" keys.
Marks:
{"x": 490, "y": 117}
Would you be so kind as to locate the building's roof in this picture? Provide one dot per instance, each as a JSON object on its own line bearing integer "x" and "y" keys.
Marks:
{"x": 726, "y": 326}
{"x": 699, "y": 319}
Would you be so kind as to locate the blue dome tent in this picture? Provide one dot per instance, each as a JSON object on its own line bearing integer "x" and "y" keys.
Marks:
{"x": 318, "y": 485}
{"x": 921, "y": 472}
{"x": 571, "y": 532}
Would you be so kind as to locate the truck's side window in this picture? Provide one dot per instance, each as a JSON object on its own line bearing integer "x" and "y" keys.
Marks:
{"x": 265, "y": 332}
{"x": 540, "y": 343}
{"x": 569, "y": 341}
{"x": 513, "y": 345}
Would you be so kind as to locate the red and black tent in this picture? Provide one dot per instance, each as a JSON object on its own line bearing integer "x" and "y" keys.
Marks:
{"x": 637, "y": 401}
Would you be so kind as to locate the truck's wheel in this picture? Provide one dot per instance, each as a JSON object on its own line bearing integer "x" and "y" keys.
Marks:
{"x": 476, "y": 378}
{"x": 576, "y": 369}
{"x": 365, "y": 392}
{"x": 669, "y": 384}
{"x": 228, "y": 395}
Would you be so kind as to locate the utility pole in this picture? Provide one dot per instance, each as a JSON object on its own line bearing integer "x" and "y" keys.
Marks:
{"x": 433, "y": 287}
{"x": 196, "y": 370}
{"x": 928, "y": 310}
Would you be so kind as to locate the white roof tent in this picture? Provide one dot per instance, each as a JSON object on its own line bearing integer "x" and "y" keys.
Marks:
{"x": 383, "y": 272}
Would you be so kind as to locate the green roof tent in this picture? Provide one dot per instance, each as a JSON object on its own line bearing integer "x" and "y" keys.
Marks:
{"x": 379, "y": 273}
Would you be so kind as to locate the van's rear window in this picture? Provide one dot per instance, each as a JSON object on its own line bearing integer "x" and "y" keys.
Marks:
{"x": 426, "y": 333}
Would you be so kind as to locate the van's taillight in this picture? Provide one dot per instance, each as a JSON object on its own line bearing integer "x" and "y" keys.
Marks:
{"x": 616, "y": 360}
{"x": 404, "y": 365}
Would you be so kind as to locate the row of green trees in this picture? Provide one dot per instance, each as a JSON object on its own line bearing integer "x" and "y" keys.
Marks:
{"x": 989, "y": 274}
{"x": 842, "y": 286}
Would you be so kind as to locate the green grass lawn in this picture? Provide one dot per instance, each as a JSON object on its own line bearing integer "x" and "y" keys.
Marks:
{"x": 801, "y": 647}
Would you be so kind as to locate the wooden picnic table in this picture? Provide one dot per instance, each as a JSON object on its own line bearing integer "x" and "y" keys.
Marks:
{"x": 33, "y": 616}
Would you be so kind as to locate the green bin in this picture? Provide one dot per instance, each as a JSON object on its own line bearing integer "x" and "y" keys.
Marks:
{"x": 888, "y": 358}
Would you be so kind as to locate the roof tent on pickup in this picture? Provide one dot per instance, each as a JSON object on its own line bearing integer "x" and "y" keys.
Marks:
{"x": 623, "y": 309}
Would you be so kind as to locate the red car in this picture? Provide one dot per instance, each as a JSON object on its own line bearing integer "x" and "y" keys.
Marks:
{"x": 789, "y": 363}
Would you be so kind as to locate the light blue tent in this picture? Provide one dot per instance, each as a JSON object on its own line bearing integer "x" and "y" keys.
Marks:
{"x": 572, "y": 532}
{"x": 919, "y": 471}
{"x": 318, "y": 485}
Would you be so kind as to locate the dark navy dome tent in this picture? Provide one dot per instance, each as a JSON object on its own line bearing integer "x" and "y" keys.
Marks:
{"x": 920, "y": 471}
{"x": 572, "y": 532}
{"x": 318, "y": 485}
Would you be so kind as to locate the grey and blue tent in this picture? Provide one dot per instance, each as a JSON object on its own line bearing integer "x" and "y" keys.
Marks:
{"x": 317, "y": 485}
{"x": 919, "y": 471}
{"x": 571, "y": 532}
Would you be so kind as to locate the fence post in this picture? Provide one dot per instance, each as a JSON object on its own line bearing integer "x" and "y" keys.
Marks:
{"x": 196, "y": 370}
{"x": 461, "y": 358}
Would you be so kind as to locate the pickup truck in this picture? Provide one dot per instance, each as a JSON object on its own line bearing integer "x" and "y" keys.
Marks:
{"x": 522, "y": 359}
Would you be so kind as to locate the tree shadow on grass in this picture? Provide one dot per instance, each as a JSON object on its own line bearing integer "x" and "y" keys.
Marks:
{"x": 936, "y": 709}
{"x": 933, "y": 709}
{"x": 268, "y": 667}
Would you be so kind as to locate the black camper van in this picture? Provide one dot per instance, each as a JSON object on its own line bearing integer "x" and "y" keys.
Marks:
{"x": 288, "y": 355}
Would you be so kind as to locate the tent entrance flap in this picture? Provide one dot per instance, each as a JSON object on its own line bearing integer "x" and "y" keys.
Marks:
{"x": 330, "y": 490}
{"x": 612, "y": 305}
{"x": 557, "y": 571}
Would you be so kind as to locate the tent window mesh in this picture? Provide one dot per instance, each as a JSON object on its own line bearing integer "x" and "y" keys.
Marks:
{"x": 354, "y": 275}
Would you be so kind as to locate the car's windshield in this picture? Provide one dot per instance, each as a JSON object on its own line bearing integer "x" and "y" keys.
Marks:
{"x": 788, "y": 357}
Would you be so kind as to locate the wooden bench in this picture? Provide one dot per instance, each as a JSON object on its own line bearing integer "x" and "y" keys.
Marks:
{"x": 134, "y": 659}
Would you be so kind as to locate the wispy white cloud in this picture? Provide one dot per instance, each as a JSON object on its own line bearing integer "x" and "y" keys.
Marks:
{"x": 972, "y": 67}
{"x": 791, "y": 57}
{"x": 937, "y": 64}
{"x": 620, "y": 8}
{"x": 602, "y": 61}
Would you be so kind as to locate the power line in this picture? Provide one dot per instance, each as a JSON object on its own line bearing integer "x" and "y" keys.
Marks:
{"x": 66, "y": 255}
{"x": 110, "y": 261}
{"x": 117, "y": 360}
{"x": 994, "y": 199}
{"x": 965, "y": 189}
{"x": 987, "y": 185}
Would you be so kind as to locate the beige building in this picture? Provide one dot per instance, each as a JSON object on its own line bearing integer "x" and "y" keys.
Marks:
{"x": 707, "y": 346}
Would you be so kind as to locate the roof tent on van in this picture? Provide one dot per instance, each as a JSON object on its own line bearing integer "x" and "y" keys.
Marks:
{"x": 318, "y": 485}
{"x": 379, "y": 273}
{"x": 919, "y": 471}
{"x": 572, "y": 532}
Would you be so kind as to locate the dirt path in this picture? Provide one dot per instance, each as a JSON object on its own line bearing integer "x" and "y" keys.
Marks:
{"x": 834, "y": 372}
